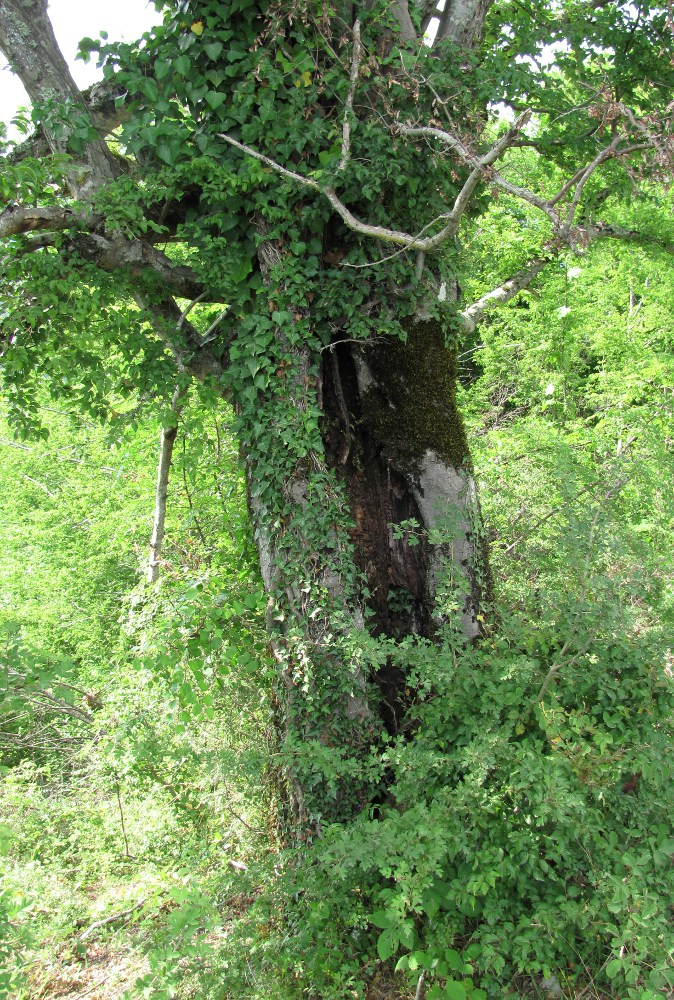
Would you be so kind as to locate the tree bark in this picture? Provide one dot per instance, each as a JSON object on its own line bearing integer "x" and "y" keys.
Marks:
{"x": 27, "y": 39}
{"x": 375, "y": 531}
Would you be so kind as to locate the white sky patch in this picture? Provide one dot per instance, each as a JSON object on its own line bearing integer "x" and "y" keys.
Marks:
{"x": 124, "y": 20}
{"x": 434, "y": 24}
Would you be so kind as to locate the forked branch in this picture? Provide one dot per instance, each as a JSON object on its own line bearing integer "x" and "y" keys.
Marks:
{"x": 451, "y": 219}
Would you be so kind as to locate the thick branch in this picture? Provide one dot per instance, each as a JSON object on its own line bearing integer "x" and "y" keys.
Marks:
{"x": 27, "y": 40}
{"x": 137, "y": 258}
{"x": 348, "y": 105}
{"x": 462, "y": 22}
{"x": 101, "y": 100}
{"x": 406, "y": 28}
{"x": 133, "y": 257}
{"x": 18, "y": 219}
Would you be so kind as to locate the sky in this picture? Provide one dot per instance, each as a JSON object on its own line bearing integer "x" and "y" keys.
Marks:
{"x": 73, "y": 20}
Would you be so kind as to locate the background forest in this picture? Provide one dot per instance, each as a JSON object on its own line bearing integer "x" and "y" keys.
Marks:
{"x": 138, "y": 843}
{"x": 364, "y": 736}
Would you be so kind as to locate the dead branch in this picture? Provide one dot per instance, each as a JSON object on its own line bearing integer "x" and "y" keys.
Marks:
{"x": 18, "y": 219}
{"x": 348, "y": 105}
{"x": 112, "y": 919}
{"x": 503, "y": 293}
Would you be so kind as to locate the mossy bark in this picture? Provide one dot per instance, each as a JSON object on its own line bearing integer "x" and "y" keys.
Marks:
{"x": 394, "y": 435}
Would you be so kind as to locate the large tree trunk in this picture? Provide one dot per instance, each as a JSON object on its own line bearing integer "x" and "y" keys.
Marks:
{"x": 372, "y": 534}
{"x": 359, "y": 476}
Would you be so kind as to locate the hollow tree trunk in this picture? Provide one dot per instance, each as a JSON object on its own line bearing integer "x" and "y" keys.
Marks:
{"x": 389, "y": 467}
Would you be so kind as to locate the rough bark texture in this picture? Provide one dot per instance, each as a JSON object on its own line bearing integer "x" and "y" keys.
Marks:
{"x": 396, "y": 437}
{"x": 462, "y": 21}
{"x": 27, "y": 39}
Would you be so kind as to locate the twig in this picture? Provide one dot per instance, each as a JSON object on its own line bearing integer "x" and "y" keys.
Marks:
{"x": 59, "y": 457}
{"x": 197, "y": 523}
{"x": 546, "y": 517}
{"x": 605, "y": 154}
{"x": 40, "y": 485}
{"x": 420, "y": 985}
{"x": 57, "y": 705}
{"x": 556, "y": 666}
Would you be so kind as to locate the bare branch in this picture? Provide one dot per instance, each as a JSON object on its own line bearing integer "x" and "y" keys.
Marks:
{"x": 608, "y": 230}
{"x": 377, "y": 232}
{"x": 57, "y": 705}
{"x": 348, "y": 106}
{"x": 524, "y": 194}
{"x": 601, "y": 157}
{"x": 484, "y": 162}
{"x": 113, "y": 918}
{"x": 504, "y": 293}
{"x": 40, "y": 485}
{"x": 427, "y": 131}
{"x": 290, "y": 174}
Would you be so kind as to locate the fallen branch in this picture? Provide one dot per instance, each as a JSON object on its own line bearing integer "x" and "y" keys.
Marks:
{"x": 113, "y": 918}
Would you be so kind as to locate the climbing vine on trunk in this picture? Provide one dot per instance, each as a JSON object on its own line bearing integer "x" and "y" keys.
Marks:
{"x": 281, "y": 216}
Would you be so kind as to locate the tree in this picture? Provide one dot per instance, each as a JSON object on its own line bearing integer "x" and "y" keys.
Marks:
{"x": 312, "y": 169}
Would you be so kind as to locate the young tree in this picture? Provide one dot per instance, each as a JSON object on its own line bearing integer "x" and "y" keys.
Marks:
{"x": 311, "y": 167}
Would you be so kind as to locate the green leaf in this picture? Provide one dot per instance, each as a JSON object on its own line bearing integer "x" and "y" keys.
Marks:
{"x": 214, "y": 50}
{"x": 215, "y": 98}
{"x": 387, "y": 944}
{"x": 614, "y": 967}
{"x": 453, "y": 959}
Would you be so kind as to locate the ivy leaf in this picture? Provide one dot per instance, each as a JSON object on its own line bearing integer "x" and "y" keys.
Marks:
{"x": 214, "y": 99}
{"x": 213, "y": 50}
